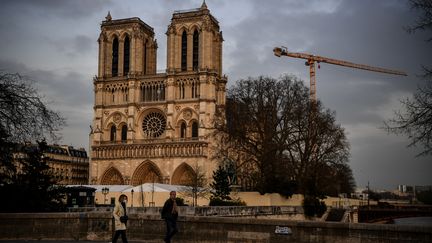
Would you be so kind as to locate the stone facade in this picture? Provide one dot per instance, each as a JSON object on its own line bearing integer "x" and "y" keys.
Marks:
{"x": 149, "y": 126}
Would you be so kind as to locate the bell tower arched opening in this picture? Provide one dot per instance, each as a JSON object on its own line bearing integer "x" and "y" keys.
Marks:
{"x": 115, "y": 52}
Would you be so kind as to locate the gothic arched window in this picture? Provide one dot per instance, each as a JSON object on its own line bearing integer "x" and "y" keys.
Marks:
{"x": 124, "y": 133}
{"x": 184, "y": 51}
{"x": 183, "y": 130}
{"x": 195, "y": 54}
{"x": 115, "y": 49}
{"x": 195, "y": 129}
{"x": 113, "y": 133}
{"x": 126, "y": 56}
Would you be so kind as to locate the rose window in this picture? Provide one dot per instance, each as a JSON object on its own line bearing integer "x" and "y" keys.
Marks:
{"x": 154, "y": 124}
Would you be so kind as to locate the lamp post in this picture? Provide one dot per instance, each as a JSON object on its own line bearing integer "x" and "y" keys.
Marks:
{"x": 105, "y": 191}
{"x": 132, "y": 191}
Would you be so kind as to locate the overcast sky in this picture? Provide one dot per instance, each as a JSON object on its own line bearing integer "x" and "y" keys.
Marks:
{"x": 54, "y": 42}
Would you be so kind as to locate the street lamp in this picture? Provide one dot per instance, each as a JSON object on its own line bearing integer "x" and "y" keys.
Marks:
{"x": 105, "y": 191}
{"x": 132, "y": 191}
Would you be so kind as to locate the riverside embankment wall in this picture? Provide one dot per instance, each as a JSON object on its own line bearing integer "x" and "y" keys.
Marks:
{"x": 98, "y": 226}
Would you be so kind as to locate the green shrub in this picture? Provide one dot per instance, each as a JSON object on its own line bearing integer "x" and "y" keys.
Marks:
{"x": 215, "y": 201}
{"x": 425, "y": 197}
{"x": 313, "y": 207}
{"x": 180, "y": 201}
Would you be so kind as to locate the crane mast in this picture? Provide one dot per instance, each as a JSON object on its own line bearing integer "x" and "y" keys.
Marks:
{"x": 312, "y": 59}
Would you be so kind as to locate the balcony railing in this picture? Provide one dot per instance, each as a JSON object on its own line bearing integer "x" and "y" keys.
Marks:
{"x": 154, "y": 141}
{"x": 157, "y": 148}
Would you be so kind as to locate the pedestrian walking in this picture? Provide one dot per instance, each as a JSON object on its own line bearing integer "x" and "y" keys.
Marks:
{"x": 120, "y": 219}
{"x": 170, "y": 215}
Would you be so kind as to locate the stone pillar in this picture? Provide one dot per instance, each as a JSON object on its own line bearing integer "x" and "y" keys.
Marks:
{"x": 144, "y": 56}
{"x": 151, "y": 57}
{"x": 134, "y": 45}
{"x": 220, "y": 55}
{"x": 177, "y": 52}
{"x": 102, "y": 59}
{"x": 171, "y": 37}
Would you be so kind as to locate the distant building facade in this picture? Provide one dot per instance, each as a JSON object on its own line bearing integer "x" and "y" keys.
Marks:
{"x": 70, "y": 166}
{"x": 149, "y": 126}
{"x": 423, "y": 188}
{"x": 405, "y": 189}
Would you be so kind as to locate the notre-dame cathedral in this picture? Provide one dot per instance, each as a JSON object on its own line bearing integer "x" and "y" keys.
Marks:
{"x": 149, "y": 126}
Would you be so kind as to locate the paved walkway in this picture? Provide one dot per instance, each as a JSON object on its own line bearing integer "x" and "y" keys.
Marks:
{"x": 71, "y": 241}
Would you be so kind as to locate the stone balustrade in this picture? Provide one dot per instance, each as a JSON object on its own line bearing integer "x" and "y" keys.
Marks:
{"x": 151, "y": 150}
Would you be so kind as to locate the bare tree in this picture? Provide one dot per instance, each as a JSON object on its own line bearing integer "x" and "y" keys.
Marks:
{"x": 196, "y": 186}
{"x": 269, "y": 127}
{"x": 415, "y": 120}
{"x": 415, "y": 117}
{"x": 24, "y": 117}
{"x": 424, "y": 22}
{"x": 23, "y": 114}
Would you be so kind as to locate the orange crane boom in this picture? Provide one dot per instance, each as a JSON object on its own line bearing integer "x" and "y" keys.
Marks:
{"x": 312, "y": 59}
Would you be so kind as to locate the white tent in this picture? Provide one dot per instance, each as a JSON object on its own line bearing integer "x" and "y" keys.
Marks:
{"x": 155, "y": 187}
{"x": 146, "y": 187}
{"x": 112, "y": 188}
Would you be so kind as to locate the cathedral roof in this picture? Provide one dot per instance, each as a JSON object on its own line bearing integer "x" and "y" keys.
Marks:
{"x": 112, "y": 22}
{"x": 190, "y": 13}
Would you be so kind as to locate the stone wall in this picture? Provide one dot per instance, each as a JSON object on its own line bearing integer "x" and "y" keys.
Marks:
{"x": 281, "y": 212}
{"x": 98, "y": 226}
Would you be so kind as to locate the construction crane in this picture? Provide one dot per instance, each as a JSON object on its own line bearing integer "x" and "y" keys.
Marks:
{"x": 312, "y": 59}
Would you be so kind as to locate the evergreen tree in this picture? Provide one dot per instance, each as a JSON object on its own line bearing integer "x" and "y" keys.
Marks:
{"x": 425, "y": 197}
{"x": 33, "y": 187}
{"x": 221, "y": 186}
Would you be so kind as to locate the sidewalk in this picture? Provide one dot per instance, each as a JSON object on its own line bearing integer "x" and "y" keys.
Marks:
{"x": 72, "y": 241}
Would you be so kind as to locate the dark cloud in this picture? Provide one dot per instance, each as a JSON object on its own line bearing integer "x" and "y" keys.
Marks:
{"x": 55, "y": 8}
{"x": 378, "y": 162}
{"x": 66, "y": 89}
{"x": 73, "y": 47}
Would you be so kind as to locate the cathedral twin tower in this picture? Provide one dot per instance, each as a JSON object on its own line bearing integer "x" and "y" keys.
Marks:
{"x": 149, "y": 126}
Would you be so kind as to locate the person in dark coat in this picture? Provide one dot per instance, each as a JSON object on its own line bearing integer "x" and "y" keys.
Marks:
{"x": 170, "y": 214}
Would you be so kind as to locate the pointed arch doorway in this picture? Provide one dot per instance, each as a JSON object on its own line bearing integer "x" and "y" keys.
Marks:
{"x": 146, "y": 172}
{"x": 183, "y": 175}
{"x": 112, "y": 176}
